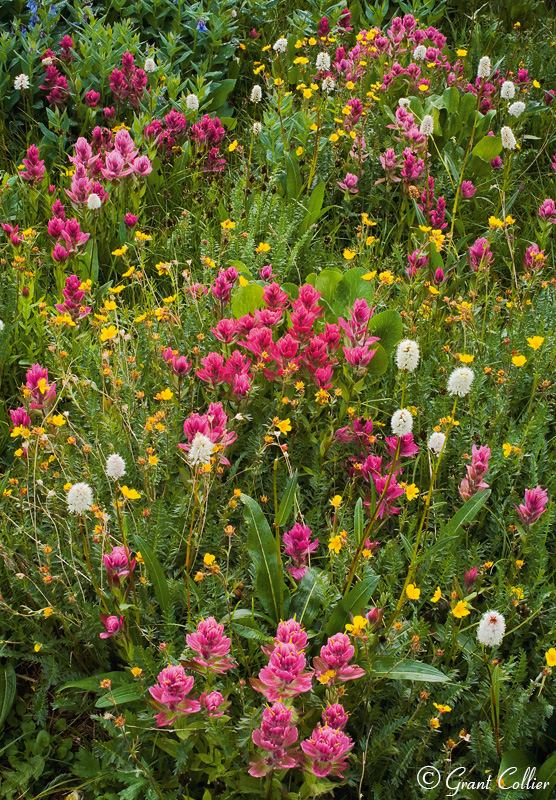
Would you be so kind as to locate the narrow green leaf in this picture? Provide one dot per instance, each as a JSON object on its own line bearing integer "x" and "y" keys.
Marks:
{"x": 122, "y": 695}
{"x": 155, "y": 573}
{"x": 286, "y": 503}
{"x": 261, "y": 546}
{"x": 358, "y": 521}
{"x": 7, "y": 690}
{"x": 354, "y": 601}
{"x": 466, "y": 513}
{"x": 92, "y": 683}
{"x": 308, "y": 599}
{"x": 407, "y": 670}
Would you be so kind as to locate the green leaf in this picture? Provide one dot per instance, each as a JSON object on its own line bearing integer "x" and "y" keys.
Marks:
{"x": 326, "y": 283}
{"x": 358, "y": 521}
{"x": 354, "y": 602}
{"x": 315, "y": 209}
{"x": 379, "y": 362}
{"x": 488, "y": 148}
{"x": 245, "y": 299}
{"x": 352, "y": 287}
{"x": 407, "y": 670}
{"x": 308, "y": 598}
{"x": 514, "y": 765}
{"x": 261, "y": 546}
{"x": 92, "y": 683}
{"x": 388, "y": 326}
{"x": 466, "y": 513}
{"x": 450, "y": 98}
{"x": 122, "y": 695}
{"x": 7, "y": 690}
{"x": 155, "y": 573}
{"x": 547, "y": 774}
{"x": 294, "y": 184}
{"x": 286, "y": 503}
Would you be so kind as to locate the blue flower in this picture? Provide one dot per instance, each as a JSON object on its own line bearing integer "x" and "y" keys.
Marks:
{"x": 201, "y": 26}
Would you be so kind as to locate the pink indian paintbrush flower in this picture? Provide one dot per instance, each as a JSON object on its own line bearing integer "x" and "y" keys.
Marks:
{"x": 298, "y": 545}
{"x": 547, "y": 211}
{"x": 112, "y": 624}
{"x": 283, "y": 677}
{"x": 118, "y": 564}
{"x": 533, "y": 507}
{"x": 170, "y": 695}
{"x": 37, "y": 388}
{"x": 20, "y": 418}
{"x": 349, "y": 184}
{"x": 211, "y": 646}
{"x": 289, "y": 632}
{"x": 476, "y": 471}
{"x": 332, "y": 663}
{"x": 276, "y": 736}
{"x": 73, "y": 297}
{"x": 213, "y": 426}
{"x": 327, "y": 750}
{"x": 335, "y": 716}
{"x": 35, "y": 169}
{"x": 214, "y": 703}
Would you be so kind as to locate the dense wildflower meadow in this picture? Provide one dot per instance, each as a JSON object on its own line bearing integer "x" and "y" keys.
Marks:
{"x": 277, "y": 435}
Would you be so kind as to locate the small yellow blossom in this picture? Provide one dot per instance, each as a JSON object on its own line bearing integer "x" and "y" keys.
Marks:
{"x": 166, "y": 394}
{"x": 535, "y": 341}
{"x": 519, "y": 361}
{"x": 232, "y": 146}
{"x": 209, "y": 559}
{"x": 460, "y": 610}
{"x": 411, "y": 491}
{"x": 130, "y": 494}
{"x": 108, "y": 333}
{"x": 550, "y": 656}
{"x": 466, "y": 359}
{"x": 120, "y": 251}
{"x": 335, "y": 543}
{"x": 283, "y": 425}
{"x": 413, "y": 592}
{"x": 262, "y": 247}
{"x": 349, "y": 254}
{"x": 336, "y": 500}
{"x": 357, "y": 626}
{"x": 437, "y": 595}
{"x": 142, "y": 237}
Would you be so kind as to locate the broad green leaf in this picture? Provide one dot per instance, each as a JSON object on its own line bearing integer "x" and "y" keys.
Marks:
{"x": 514, "y": 765}
{"x": 407, "y": 670}
{"x": 326, "y": 283}
{"x": 7, "y": 690}
{"x": 354, "y": 602}
{"x": 315, "y": 209}
{"x": 379, "y": 362}
{"x": 547, "y": 774}
{"x": 124, "y": 694}
{"x": 92, "y": 683}
{"x": 155, "y": 573}
{"x": 388, "y": 326}
{"x": 450, "y": 97}
{"x": 488, "y": 148}
{"x": 466, "y": 513}
{"x": 286, "y": 503}
{"x": 261, "y": 546}
{"x": 308, "y": 598}
{"x": 245, "y": 299}
{"x": 352, "y": 287}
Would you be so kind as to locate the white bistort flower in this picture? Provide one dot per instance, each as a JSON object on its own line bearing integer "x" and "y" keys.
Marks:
{"x": 200, "y": 450}
{"x": 407, "y": 355}
{"x": 460, "y": 381}
{"x": 427, "y": 125}
{"x": 280, "y": 45}
{"x": 1, "y": 325}
{"x": 256, "y": 94}
{"x": 323, "y": 62}
{"x": 436, "y": 442}
{"x": 257, "y": 128}
{"x": 491, "y": 629}
{"x": 403, "y": 102}
{"x": 402, "y": 422}
{"x": 115, "y": 467}
{"x": 150, "y": 65}
{"x": 485, "y": 68}
{"x": 328, "y": 84}
{"x": 192, "y": 102}
{"x": 516, "y": 109}
{"x": 80, "y": 498}
{"x": 507, "y": 92}
{"x": 21, "y": 82}
{"x": 420, "y": 52}
{"x": 93, "y": 202}
{"x": 508, "y": 138}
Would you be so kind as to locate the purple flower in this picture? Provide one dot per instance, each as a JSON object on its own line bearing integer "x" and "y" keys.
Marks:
{"x": 467, "y": 189}
{"x": 476, "y": 471}
{"x": 112, "y": 624}
{"x": 171, "y": 695}
{"x": 211, "y": 646}
{"x": 327, "y": 750}
{"x": 35, "y": 166}
{"x": 298, "y": 545}
{"x": 118, "y": 564}
{"x": 547, "y": 211}
{"x": 533, "y": 507}
{"x": 332, "y": 663}
{"x": 214, "y": 703}
{"x": 284, "y": 676}
{"x": 349, "y": 184}
{"x": 276, "y": 736}
{"x": 480, "y": 254}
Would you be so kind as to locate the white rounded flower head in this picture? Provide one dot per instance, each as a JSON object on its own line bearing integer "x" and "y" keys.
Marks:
{"x": 328, "y": 84}
{"x": 485, "y": 68}
{"x": 323, "y": 62}
{"x": 402, "y": 422}
{"x": 403, "y": 102}
{"x": 460, "y": 381}
{"x": 491, "y": 629}
{"x": 280, "y": 45}
{"x": 1, "y": 325}
{"x": 80, "y": 498}
{"x": 436, "y": 442}
{"x": 507, "y": 92}
{"x": 407, "y": 355}
{"x": 200, "y": 450}
{"x": 256, "y": 94}
{"x": 192, "y": 102}
{"x": 93, "y": 202}
{"x": 21, "y": 82}
{"x": 516, "y": 109}
{"x": 508, "y": 138}
{"x": 150, "y": 65}
{"x": 257, "y": 128}
{"x": 420, "y": 52}
{"x": 427, "y": 125}
{"x": 115, "y": 467}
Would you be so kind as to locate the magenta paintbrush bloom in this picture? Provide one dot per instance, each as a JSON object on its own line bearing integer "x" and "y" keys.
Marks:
{"x": 534, "y": 506}
{"x": 211, "y": 646}
{"x": 73, "y": 297}
{"x": 332, "y": 663}
{"x": 276, "y": 736}
{"x": 118, "y": 564}
{"x": 35, "y": 166}
{"x": 284, "y": 676}
{"x": 476, "y": 471}
{"x": 112, "y": 624}
{"x": 38, "y": 389}
{"x": 298, "y": 545}
{"x": 171, "y": 695}
{"x": 327, "y": 749}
